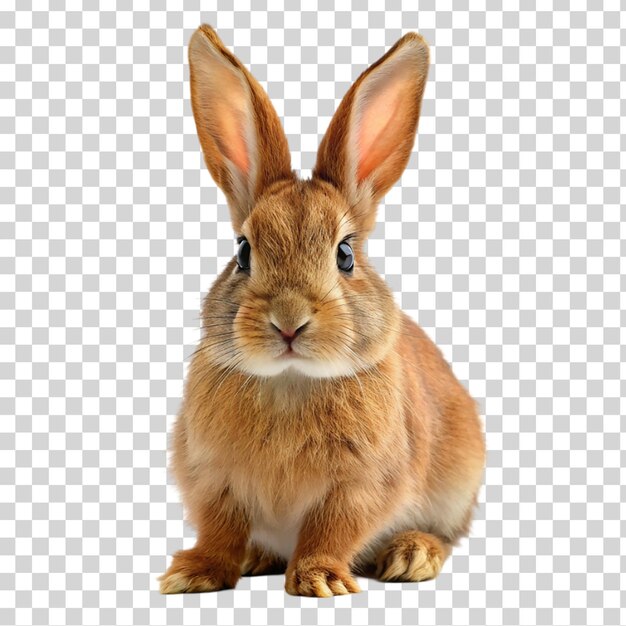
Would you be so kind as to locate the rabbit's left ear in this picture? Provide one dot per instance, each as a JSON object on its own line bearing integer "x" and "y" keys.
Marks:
{"x": 244, "y": 145}
{"x": 370, "y": 137}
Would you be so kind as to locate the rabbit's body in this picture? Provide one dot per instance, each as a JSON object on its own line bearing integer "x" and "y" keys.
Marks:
{"x": 320, "y": 427}
{"x": 286, "y": 448}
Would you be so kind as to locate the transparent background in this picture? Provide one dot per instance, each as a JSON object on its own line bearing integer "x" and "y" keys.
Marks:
{"x": 504, "y": 239}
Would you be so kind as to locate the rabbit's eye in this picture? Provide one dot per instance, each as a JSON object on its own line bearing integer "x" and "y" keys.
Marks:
{"x": 345, "y": 257}
{"x": 243, "y": 254}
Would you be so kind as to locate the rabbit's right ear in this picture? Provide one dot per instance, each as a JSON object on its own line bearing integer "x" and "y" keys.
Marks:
{"x": 244, "y": 145}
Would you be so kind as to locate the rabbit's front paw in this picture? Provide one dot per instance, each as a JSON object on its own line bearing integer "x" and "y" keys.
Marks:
{"x": 319, "y": 577}
{"x": 192, "y": 572}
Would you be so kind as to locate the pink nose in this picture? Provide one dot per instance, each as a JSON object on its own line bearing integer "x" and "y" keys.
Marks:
{"x": 289, "y": 334}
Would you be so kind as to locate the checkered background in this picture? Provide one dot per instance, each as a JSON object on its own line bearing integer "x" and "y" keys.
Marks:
{"x": 504, "y": 239}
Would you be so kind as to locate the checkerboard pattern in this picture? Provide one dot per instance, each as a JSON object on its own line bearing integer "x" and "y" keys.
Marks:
{"x": 504, "y": 238}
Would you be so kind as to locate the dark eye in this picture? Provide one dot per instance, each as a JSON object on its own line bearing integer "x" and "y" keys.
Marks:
{"x": 345, "y": 257}
{"x": 243, "y": 254}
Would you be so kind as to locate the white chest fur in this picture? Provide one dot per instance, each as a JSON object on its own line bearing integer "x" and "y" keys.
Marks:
{"x": 277, "y": 516}
{"x": 280, "y": 540}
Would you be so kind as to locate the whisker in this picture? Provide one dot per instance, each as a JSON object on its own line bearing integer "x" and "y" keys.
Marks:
{"x": 324, "y": 298}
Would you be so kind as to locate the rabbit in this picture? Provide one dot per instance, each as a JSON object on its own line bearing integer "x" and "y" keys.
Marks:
{"x": 321, "y": 434}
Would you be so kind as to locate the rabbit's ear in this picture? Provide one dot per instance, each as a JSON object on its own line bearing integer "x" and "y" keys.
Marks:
{"x": 242, "y": 139}
{"x": 370, "y": 137}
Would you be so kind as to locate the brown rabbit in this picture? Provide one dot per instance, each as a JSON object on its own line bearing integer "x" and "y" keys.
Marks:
{"x": 321, "y": 432}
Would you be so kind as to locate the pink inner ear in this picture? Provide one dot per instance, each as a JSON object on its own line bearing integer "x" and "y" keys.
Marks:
{"x": 380, "y": 125}
{"x": 232, "y": 125}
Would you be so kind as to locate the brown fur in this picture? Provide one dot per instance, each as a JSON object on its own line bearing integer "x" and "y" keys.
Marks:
{"x": 367, "y": 449}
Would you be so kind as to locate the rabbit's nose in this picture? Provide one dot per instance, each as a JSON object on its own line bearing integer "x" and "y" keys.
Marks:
{"x": 289, "y": 334}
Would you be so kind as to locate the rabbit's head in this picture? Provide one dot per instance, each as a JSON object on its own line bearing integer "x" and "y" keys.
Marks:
{"x": 300, "y": 294}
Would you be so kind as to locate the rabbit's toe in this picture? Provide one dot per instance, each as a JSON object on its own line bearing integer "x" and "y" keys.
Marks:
{"x": 320, "y": 578}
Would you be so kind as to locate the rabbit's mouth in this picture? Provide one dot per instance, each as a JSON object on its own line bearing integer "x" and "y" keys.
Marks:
{"x": 290, "y": 353}
{"x": 298, "y": 362}
{"x": 269, "y": 346}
